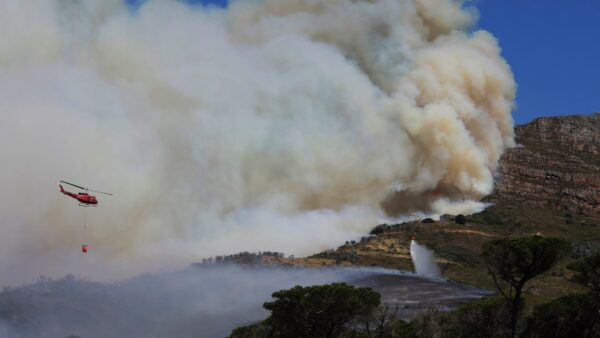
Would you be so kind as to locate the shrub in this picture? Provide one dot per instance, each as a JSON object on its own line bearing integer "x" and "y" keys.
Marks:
{"x": 486, "y": 317}
{"x": 574, "y": 315}
{"x": 588, "y": 272}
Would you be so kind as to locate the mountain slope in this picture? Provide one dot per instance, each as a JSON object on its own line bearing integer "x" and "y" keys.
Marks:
{"x": 556, "y": 165}
{"x": 548, "y": 185}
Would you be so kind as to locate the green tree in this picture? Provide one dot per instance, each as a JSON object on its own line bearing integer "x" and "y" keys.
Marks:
{"x": 258, "y": 330}
{"x": 460, "y": 219}
{"x": 319, "y": 311}
{"x": 323, "y": 311}
{"x": 513, "y": 262}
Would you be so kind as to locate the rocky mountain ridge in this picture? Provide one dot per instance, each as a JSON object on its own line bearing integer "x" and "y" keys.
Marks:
{"x": 556, "y": 164}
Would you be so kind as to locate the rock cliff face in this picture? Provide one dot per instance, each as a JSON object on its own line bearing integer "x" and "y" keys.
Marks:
{"x": 556, "y": 164}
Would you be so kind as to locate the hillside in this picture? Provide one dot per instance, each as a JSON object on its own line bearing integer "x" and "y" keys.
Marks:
{"x": 555, "y": 165}
{"x": 548, "y": 185}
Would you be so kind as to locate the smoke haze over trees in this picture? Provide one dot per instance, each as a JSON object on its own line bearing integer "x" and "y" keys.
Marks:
{"x": 206, "y": 300}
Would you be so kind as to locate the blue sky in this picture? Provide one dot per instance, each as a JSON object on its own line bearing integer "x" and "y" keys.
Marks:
{"x": 553, "y": 47}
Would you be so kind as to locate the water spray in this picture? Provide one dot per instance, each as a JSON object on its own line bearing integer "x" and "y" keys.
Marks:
{"x": 423, "y": 260}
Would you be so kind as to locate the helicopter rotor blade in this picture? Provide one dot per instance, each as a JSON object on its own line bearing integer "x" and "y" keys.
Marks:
{"x": 101, "y": 192}
{"x": 87, "y": 189}
{"x": 75, "y": 185}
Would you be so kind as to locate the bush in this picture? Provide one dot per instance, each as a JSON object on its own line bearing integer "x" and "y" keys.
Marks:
{"x": 381, "y": 228}
{"x": 588, "y": 272}
{"x": 460, "y": 219}
{"x": 486, "y": 317}
{"x": 568, "y": 316}
{"x": 400, "y": 328}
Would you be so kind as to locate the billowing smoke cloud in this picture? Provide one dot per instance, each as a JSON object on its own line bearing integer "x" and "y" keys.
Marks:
{"x": 272, "y": 125}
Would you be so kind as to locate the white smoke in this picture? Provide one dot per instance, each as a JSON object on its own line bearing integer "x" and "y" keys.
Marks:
{"x": 423, "y": 261}
{"x": 271, "y": 125}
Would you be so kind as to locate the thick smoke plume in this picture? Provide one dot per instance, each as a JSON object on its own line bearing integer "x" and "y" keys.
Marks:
{"x": 270, "y": 125}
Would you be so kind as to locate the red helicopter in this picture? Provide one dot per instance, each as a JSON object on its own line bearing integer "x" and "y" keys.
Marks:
{"x": 85, "y": 199}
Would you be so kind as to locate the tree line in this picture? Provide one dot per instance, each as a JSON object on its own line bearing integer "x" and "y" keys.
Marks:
{"x": 241, "y": 258}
